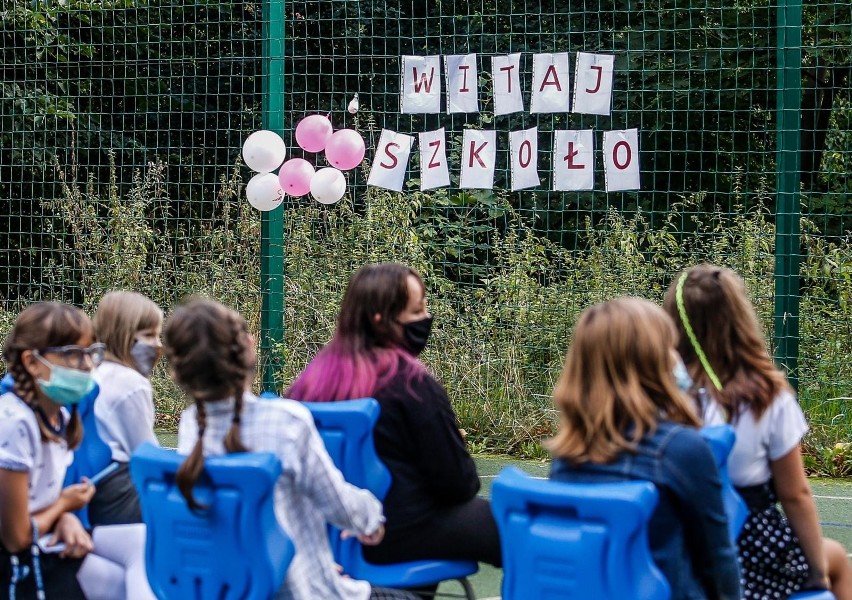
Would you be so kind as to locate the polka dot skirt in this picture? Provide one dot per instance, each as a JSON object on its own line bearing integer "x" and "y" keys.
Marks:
{"x": 772, "y": 564}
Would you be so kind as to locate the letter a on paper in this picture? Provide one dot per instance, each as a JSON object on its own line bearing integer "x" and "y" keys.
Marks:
{"x": 550, "y": 92}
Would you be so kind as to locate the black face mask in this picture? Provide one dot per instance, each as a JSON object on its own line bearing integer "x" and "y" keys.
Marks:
{"x": 416, "y": 334}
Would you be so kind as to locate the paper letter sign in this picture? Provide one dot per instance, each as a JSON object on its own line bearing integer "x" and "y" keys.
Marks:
{"x": 479, "y": 154}
{"x": 390, "y": 161}
{"x": 574, "y": 160}
{"x": 421, "y": 84}
{"x": 621, "y": 160}
{"x": 505, "y": 71}
{"x": 434, "y": 171}
{"x": 462, "y": 84}
{"x": 524, "y": 148}
{"x": 550, "y": 92}
{"x": 593, "y": 83}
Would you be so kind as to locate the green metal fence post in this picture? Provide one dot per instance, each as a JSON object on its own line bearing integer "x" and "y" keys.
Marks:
{"x": 271, "y": 234}
{"x": 788, "y": 178}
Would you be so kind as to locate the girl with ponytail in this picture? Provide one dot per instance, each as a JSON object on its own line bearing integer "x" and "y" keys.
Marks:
{"x": 725, "y": 353}
{"x": 44, "y": 549}
{"x": 212, "y": 358}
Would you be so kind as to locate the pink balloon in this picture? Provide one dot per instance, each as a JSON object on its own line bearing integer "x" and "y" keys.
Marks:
{"x": 345, "y": 150}
{"x": 313, "y": 132}
{"x": 295, "y": 176}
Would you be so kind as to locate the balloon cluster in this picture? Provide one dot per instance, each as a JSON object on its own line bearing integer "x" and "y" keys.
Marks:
{"x": 264, "y": 151}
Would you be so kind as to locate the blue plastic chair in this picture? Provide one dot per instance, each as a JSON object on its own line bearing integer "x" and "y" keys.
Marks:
{"x": 91, "y": 456}
{"x": 347, "y": 431}
{"x": 721, "y": 439}
{"x": 576, "y": 540}
{"x": 233, "y": 549}
{"x": 818, "y": 595}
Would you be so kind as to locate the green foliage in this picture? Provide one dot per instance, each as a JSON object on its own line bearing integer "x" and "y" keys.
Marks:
{"x": 500, "y": 336}
{"x": 114, "y": 242}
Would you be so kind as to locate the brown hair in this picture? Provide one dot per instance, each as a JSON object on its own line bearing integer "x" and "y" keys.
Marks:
{"x": 209, "y": 349}
{"x": 120, "y": 316}
{"x": 617, "y": 381}
{"x": 40, "y": 326}
{"x": 727, "y": 330}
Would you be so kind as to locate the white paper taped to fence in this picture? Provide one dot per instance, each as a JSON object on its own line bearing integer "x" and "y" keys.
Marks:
{"x": 506, "y": 75}
{"x": 593, "y": 83}
{"x": 391, "y": 160}
{"x": 524, "y": 148}
{"x": 479, "y": 155}
{"x": 574, "y": 160}
{"x": 421, "y": 84}
{"x": 462, "y": 84}
{"x": 434, "y": 170}
{"x": 551, "y": 92}
{"x": 621, "y": 160}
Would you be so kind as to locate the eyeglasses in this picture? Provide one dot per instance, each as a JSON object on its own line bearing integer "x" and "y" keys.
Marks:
{"x": 75, "y": 356}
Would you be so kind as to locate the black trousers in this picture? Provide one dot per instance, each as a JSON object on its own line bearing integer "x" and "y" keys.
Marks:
{"x": 115, "y": 502}
{"x": 462, "y": 532}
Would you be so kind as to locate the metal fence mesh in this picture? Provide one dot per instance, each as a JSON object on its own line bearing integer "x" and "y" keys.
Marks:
{"x": 122, "y": 124}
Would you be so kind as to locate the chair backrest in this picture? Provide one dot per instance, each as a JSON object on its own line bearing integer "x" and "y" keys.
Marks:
{"x": 234, "y": 548}
{"x": 721, "y": 439}
{"x": 346, "y": 429}
{"x": 576, "y": 540}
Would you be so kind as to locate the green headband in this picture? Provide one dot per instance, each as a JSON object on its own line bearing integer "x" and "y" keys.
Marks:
{"x": 681, "y": 309}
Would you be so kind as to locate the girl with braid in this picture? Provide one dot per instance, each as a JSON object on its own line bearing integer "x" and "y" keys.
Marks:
{"x": 44, "y": 549}
{"x": 212, "y": 357}
{"x": 725, "y": 353}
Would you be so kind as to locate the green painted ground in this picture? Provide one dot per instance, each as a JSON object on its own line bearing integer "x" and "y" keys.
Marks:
{"x": 833, "y": 498}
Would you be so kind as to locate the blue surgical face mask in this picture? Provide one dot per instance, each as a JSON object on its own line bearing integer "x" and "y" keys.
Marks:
{"x": 681, "y": 375}
{"x": 65, "y": 386}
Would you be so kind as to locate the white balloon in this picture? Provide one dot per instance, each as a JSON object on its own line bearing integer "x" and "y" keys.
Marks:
{"x": 264, "y": 151}
{"x": 328, "y": 185}
{"x": 264, "y": 191}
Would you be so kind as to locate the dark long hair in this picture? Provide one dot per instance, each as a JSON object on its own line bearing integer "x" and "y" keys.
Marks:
{"x": 40, "y": 326}
{"x": 726, "y": 329}
{"x": 209, "y": 350}
{"x": 365, "y": 353}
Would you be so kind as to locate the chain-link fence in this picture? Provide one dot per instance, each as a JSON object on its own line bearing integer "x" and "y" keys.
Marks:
{"x": 122, "y": 124}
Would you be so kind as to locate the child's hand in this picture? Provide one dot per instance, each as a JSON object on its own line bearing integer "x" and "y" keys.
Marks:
{"x": 77, "y": 495}
{"x": 69, "y": 530}
{"x": 370, "y": 539}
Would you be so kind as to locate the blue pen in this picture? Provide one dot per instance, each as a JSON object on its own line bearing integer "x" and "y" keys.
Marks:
{"x": 106, "y": 471}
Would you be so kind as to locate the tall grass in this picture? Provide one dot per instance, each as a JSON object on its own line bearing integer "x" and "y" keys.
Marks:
{"x": 504, "y": 295}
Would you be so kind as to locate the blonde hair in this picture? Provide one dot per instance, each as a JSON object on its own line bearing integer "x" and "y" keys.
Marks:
{"x": 120, "y": 316}
{"x": 728, "y": 333}
{"x": 617, "y": 382}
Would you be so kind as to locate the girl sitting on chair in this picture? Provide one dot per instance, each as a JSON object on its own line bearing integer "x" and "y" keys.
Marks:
{"x": 432, "y": 507}
{"x": 129, "y": 326}
{"x": 44, "y": 549}
{"x": 212, "y": 357}
{"x": 622, "y": 417}
{"x": 725, "y": 353}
